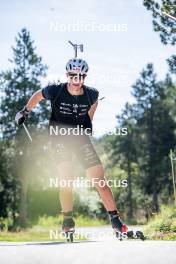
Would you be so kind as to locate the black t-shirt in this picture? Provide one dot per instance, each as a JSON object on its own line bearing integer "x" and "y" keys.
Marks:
{"x": 70, "y": 109}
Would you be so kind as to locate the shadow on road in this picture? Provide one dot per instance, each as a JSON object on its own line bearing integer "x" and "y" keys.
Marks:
{"x": 21, "y": 244}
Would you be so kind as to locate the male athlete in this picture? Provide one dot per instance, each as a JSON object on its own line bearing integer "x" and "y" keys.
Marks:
{"x": 73, "y": 104}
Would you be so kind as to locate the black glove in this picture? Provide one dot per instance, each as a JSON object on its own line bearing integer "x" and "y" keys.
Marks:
{"x": 21, "y": 116}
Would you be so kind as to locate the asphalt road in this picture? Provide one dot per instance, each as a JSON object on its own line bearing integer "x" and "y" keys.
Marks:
{"x": 102, "y": 248}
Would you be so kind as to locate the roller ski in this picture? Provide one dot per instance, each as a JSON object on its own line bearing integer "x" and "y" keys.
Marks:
{"x": 129, "y": 234}
{"x": 121, "y": 230}
{"x": 68, "y": 228}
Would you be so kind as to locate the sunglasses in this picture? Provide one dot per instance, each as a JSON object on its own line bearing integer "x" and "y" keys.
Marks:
{"x": 79, "y": 76}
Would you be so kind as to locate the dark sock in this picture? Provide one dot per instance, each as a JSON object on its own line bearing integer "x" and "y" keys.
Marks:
{"x": 115, "y": 219}
{"x": 68, "y": 220}
{"x": 68, "y": 215}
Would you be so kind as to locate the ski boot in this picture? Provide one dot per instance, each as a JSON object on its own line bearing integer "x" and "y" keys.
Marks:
{"x": 121, "y": 230}
{"x": 68, "y": 227}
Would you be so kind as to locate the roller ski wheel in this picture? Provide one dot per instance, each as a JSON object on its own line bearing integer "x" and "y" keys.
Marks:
{"x": 128, "y": 234}
{"x": 69, "y": 235}
{"x": 68, "y": 228}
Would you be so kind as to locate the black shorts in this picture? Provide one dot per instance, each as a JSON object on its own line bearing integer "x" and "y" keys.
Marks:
{"x": 80, "y": 146}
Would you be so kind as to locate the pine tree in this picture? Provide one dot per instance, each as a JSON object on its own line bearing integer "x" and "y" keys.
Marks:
{"x": 127, "y": 148}
{"x": 9, "y": 188}
{"x": 163, "y": 24}
{"x": 20, "y": 82}
{"x": 157, "y": 132}
{"x": 172, "y": 63}
{"x": 17, "y": 85}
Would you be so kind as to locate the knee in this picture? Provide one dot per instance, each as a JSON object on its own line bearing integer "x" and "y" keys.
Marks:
{"x": 96, "y": 170}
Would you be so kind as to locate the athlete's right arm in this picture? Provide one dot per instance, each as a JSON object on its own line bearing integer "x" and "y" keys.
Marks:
{"x": 33, "y": 101}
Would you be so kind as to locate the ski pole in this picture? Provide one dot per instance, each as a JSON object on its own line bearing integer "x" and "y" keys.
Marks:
{"x": 168, "y": 15}
{"x": 101, "y": 98}
{"x": 27, "y": 132}
{"x": 76, "y": 47}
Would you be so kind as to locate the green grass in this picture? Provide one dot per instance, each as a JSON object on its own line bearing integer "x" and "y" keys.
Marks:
{"x": 32, "y": 235}
{"x": 42, "y": 230}
{"x": 28, "y": 235}
{"x": 37, "y": 234}
{"x": 163, "y": 225}
{"x": 81, "y": 221}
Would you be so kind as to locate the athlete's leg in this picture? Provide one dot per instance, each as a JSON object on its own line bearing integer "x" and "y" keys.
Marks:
{"x": 66, "y": 198}
{"x": 96, "y": 174}
{"x": 66, "y": 177}
{"x": 91, "y": 162}
{"x": 65, "y": 170}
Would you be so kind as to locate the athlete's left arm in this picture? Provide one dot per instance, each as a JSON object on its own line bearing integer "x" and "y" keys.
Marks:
{"x": 92, "y": 110}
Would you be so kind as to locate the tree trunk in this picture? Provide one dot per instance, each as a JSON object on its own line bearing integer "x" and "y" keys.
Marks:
{"x": 130, "y": 201}
{"x": 155, "y": 198}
